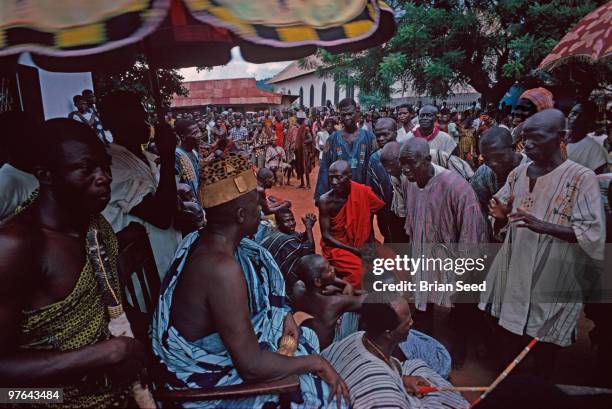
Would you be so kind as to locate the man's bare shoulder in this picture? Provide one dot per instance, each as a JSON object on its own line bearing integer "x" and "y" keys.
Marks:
{"x": 213, "y": 266}
{"x": 20, "y": 244}
{"x": 326, "y": 198}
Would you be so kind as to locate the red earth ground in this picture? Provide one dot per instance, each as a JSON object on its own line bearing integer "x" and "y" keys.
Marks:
{"x": 574, "y": 365}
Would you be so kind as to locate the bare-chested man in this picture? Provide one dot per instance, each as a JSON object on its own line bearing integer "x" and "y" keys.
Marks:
{"x": 54, "y": 323}
{"x": 222, "y": 312}
{"x": 346, "y": 213}
{"x": 324, "y": 296}
{"x": 269, "y": 205}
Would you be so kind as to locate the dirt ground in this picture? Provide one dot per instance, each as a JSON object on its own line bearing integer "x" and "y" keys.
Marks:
{"x": 574, "y": 365}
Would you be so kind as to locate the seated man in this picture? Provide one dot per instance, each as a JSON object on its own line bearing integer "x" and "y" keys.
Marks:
{"x": 324, "y": 296}
{"x": 346, "y": 213}
{"x": 54, "y": 322}
{"x": 333, "y": 304}
{"x": 286, "y": 245}
{"x": 222, "y": 311}
{"x": 269, "y": 205}
{"x": 365, "y": 359}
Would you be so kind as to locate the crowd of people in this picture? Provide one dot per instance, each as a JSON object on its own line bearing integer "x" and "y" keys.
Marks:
{"x": 236, "y": 273}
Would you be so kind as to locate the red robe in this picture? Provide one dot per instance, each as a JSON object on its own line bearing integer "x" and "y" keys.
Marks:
{"x": 352, "y": 226}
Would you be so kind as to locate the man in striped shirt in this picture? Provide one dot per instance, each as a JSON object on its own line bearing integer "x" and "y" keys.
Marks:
{"x": 374, "y": 377}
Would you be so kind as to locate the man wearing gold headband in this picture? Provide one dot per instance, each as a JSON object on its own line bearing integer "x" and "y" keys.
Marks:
{"x": 222, "y": 308}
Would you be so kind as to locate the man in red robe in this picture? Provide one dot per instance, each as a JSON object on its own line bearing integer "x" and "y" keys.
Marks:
{"x": 345, "y": 214}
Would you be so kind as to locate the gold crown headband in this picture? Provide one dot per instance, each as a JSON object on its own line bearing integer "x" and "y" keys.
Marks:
{"x": 226, "y": 179}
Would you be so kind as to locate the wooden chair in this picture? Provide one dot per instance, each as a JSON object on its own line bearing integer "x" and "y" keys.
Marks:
{"x": 136, "y": 261}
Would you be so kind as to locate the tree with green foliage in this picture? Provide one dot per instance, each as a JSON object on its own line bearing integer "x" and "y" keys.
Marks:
{"x": 138, "y": 79}
{"x": 441, "y": 45}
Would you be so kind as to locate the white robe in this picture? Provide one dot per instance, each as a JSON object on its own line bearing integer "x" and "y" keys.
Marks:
{"x": 132, "y": 181}
{"x": 16, "y": 187}
{"x": 533, "y": 275}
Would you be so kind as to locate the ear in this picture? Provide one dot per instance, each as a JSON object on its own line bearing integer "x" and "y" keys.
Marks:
{"x": 42, "y": 174}
{"x": 318, "y": 282}
{"x": 240, "y": 215}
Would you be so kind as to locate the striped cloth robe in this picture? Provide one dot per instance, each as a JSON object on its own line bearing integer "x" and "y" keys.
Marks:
{"x": 373, "y": 384}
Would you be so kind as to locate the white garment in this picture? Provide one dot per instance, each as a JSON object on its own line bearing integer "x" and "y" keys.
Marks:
{"x": 533, "y": 276}
{"x": 16, "y": 187}
{"x": 132, "y": 181}
{"x": 442, "y": 142}
{"x": 275, "y": 156}
{"x": 600, "y": 139}
{"x": 322, "y": 137}
{"x": 588, "y": 153}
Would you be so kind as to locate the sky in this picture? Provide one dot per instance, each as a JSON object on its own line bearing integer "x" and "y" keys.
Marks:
{"x": 236, "y": 68}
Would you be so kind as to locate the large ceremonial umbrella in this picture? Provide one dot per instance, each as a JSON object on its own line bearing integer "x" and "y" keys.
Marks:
{"x": 590, "y": 40}
{"x": 89, "y": 35}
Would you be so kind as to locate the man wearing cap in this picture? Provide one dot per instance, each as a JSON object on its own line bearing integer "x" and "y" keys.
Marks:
{"x": 222, "y": 307}
{"x": 531, "y": 101}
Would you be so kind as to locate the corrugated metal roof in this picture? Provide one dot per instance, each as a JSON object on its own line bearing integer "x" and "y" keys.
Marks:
{"x": 294, "y": 70}
{"x": 235, "y": 91}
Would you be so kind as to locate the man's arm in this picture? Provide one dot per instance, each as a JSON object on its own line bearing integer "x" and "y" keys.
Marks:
{"x": 230, "y": 314}
{"x": 158, "y": 208}
{"x": 325, "y": 224}
{"x": 25, "y": 367}
{"x": 322, "y": 182}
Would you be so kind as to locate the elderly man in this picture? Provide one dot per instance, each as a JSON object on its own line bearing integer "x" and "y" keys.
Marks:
{"x": 440, "y": 208}
{"x": 581, "y": 149}
{"x": 222, "y": 311}
{"x": 374, "y": 376}
{"x": 390, "y": 159}
{"x": 556, "y": 224}
{"x": 378, "y": 178}
{"x": 443, "y": 220}
{"x": 429, "y": 131}
{"x": 351, "y": 144}
{"x": 345, "y": 214}
{"x": 500, "y": 158}
{"x": 55, "y": 324}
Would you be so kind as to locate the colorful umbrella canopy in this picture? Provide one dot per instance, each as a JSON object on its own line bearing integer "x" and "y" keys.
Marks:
{"x": 590, "y": 40}
{"x": 76, "y": 35}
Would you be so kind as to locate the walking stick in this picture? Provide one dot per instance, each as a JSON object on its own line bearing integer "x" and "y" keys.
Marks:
{"x": 541, "y": 334}
{"x": 119, "y": 324}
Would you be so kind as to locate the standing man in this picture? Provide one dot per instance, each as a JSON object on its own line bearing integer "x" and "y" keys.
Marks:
{"x": 141, "y": 191}
{"x": 352, "y": 144}
{"x": 441, "y": 208}
{"x": 378, "y": 178}
{"x": 531, "y": 101}
{"x": 187, "y": 154}
{"x": 405, "y": 114}
{"x": 222, "y": 309}
{"x": 345, "y": 214}
{"x": 556, "y": 224}
{"x": 429, "y": 131}
{"x": 390, "y": 159}
{"x": 54, "y": 322}
{"x": 580, "y": 148}
{"x": 83, "y": 113}
{"x": 304, "y": 155}
{"x": 239, "y": 133}
{"x": 500, "y": 159}
{"x": 95, "y": 117}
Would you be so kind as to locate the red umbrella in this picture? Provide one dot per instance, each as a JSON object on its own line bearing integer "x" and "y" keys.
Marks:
{"x": 590, "y": 40}
{"x": 71, "y": 35}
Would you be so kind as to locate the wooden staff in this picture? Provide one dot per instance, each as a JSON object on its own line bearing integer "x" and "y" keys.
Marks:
{"x": 119, "y": 324}
{"x": 430, "y": 389}
{"x": 541, "y": 334}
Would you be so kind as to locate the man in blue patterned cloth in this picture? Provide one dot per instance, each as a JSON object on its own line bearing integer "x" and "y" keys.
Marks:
{"x": 222, "y": 307}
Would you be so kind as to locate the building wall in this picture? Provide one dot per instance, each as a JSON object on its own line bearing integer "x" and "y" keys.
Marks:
{"x": 58, "y": 88}
{"x": 293, "y": 86}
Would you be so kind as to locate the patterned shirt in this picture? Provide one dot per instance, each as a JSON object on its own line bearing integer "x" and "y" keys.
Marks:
{"x": 239, "y": 134}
